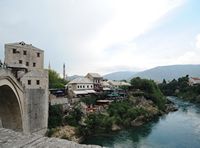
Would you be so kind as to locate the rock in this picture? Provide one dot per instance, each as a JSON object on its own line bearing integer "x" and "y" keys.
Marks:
{"x": 138, "y": 121}
{"x": 170, "y": 107}
{"x": 115, "y": 127}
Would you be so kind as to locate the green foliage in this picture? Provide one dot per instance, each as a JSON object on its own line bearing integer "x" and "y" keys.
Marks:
{"x": 50, "y": 132}
{"x": 151, "y": 91}
{"x": 55, "y": 81}
{"x": 181, "y": 88}
{"x": 55, "y": 116}
{"x": 124, "y": 112}
{"x": 74, "y": 117}
{"x": 89, "y": 100}
{"x": 124, "y": 87}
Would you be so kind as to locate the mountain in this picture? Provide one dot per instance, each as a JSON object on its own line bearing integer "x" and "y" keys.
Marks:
{"x": 120, "y": 75}
{"x": 169, "y": 72}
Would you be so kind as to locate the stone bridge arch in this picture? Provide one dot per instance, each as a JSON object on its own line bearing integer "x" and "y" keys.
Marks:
{"x": 11, "y": 102}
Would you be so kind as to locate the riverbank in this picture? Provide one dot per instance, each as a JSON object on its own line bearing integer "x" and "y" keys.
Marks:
{"x": 133, "y": 112}
{"x": 144, "y": 102}
{"x": 175, "y": 129}
{"x": 181, "y": 88}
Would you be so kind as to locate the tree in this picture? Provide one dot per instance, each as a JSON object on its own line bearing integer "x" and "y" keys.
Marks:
{"x": 150, "y": 89}
{"x": 55, "y": 81}
{"x": 55, "y": 116}
{"x": 164, "y": 81}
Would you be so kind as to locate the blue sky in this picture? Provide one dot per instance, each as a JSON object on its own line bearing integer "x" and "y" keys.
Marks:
{"x": 105, "y": 35}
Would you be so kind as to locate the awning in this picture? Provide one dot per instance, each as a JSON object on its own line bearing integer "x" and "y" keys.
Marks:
{"x": 90, "y": 91}
{"x": 106, "y": 88}
{"x": 104, "y": 101}
{"x": 80, "y": 92}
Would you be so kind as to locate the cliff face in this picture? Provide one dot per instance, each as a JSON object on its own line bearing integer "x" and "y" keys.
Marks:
{"x": 9, "y": 138}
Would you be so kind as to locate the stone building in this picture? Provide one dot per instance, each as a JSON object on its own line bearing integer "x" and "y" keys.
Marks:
{"x": 27, "y": 64}
{"x": 80, "y": 86}
{"x": 96, "y": 79}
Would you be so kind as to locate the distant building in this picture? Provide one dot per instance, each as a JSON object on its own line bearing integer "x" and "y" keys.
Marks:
{"x": 117, "y": 84}
{"x": 96, "y": 79}
{"x": 80, "y": 86}
{"x": 194, "y": 81}
{"x": 106, "y": 86}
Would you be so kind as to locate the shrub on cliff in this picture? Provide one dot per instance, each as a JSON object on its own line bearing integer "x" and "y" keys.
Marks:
{"x": 55, "y": 116}
{"x": 151, "y": 91}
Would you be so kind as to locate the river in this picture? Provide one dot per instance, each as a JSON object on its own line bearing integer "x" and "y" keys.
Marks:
{"x": 180, "y": 129}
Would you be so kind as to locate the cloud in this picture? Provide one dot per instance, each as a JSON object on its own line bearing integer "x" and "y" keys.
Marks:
{"x": 87, "y": 35}
{"x": 198, "y": 41}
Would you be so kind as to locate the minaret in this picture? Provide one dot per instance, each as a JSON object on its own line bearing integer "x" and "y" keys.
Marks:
{"x": 64, "y": 71}
{"x": 49, "y": 66}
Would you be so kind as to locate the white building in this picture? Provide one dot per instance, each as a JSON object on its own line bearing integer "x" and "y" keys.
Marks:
{"x": 80, "y": 86}
{"x": 194, "y": 81}
{"x": 117, "y": 84}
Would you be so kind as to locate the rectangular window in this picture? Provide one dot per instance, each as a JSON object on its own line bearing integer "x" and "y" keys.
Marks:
{"x": 34, "y": 64}
{"x": 20, "y": 61}
{"x": 14, "y": 50}
{"x": 83, "y": 86}
{"x": 78, "y": 86}
{"x": 25, "y": 52}
{"x": 38, "y": 54}
{"x": 38, "y": 82}
{"x": 87, "y": 86}
{"x": 27, "y": 63}
{"x": 29, "y": 82}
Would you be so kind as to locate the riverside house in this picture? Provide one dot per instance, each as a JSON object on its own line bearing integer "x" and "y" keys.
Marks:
{"x": 80, "y": 87}
{"x": 96, "y": 79}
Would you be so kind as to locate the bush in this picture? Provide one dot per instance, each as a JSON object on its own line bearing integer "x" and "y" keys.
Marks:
{"x": 55, "y": 116}
{"x": 151, "y": 91}
{"x": 74, "y": 117}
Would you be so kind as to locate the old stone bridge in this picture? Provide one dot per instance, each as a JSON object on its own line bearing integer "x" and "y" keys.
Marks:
{"x": 21, "y": 108}
{"x": 12, "y": 104}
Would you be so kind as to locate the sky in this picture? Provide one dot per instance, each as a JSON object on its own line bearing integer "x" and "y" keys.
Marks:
{"x": 105, "y": 36}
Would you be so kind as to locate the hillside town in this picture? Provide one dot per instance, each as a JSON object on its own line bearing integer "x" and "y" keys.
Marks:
{"x": 76, "y": 108}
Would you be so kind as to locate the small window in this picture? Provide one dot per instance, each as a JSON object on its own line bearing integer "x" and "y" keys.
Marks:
{"x": 38, "y": 54}
{"x": 34, "y": 64}
{"x": 91, "y": 86}
{"x": 27, "y": 63}
{"x": 83, "y": 86}
{"x": 14, "y": 50}
{"x": 38, "y": 82}
{"x": 20, "y": 61}
{"x": 87, "y": 86}
{"x": 25, "y": 52}
{"x": 29, "y": 82}
{"x": 78, "y": 86}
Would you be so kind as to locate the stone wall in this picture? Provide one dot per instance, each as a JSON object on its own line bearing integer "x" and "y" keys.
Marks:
{"x": 36, "y": 106}
{"x": 10, "y": 139}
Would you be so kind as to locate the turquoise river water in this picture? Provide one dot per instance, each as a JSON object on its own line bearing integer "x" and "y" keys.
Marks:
{"x": 180, "y": 129}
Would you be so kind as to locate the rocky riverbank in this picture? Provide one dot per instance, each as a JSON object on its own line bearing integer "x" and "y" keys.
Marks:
{"x": 135, "y": 111}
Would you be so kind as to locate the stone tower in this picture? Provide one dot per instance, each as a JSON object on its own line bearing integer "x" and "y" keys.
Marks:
{"x": 27, "y": 64}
